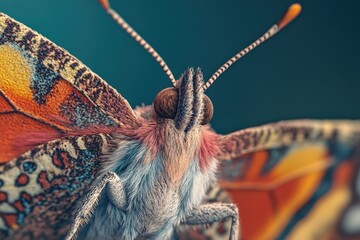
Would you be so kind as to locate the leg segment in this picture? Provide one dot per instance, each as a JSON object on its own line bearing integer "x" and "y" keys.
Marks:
{"x": 215, "y": 212}
{"x": 115, "y": 192}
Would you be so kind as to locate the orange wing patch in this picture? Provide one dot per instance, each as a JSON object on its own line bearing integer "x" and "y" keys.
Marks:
{"x": 52, "y": 91}
{"x": 269, "y": 190}
{"x": 37, "y": 105}
{"x": 16, "y": 127}
{"x": 29, "y": 91}
{"x": 50, "y": 62}
{"x": 15, "y": 72}
{"x": 5, "y": 106}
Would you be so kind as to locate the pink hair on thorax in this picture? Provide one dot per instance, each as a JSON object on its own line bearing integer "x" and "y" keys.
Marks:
{"x": 152, "y": 135}
{"x": 209, "y": 147}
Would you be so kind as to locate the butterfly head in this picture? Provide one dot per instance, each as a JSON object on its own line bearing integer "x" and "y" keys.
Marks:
{"x": 186, "y": 104}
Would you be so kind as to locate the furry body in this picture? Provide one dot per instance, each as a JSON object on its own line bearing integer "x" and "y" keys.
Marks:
{"x": 165, "y": 167}
{"x": 155, "y": 204}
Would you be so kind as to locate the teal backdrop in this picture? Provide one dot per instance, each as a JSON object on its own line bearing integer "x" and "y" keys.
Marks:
{"x": 309, "y": 70}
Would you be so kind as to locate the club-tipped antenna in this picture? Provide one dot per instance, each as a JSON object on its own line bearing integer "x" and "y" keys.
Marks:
{"x": 293, "y": 11}
{"x": 105, "y": 4}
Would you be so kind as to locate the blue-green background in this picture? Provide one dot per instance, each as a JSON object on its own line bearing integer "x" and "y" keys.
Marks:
{"x": 309, "y": 70}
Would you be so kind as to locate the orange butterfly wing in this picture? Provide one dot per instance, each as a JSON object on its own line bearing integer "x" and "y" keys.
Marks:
{"x": 297, "y": 180}
{"x": 45, "y": 94}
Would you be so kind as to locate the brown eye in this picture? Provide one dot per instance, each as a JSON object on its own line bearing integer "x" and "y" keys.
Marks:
{"x": 165, "y": 103}
{"x": 208, "y": 110}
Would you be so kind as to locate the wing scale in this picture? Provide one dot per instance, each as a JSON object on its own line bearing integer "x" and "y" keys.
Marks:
{"x": 294, "y": 179}
{"x": 45, "y": 94}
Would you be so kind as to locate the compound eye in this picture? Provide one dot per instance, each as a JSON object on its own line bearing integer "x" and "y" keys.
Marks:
{"x": 165, "y": 103}
{"x": 208, "y": 110}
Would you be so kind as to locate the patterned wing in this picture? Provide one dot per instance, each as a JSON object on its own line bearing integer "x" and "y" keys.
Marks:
{"x": 39, "y": 189}
{"x": 45, "y": 94}
{"x": 295, "y": 179}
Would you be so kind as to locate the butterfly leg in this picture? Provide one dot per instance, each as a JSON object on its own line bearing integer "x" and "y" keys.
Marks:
{"x": 115, "y": 192}
{"x": 215, "y": 212}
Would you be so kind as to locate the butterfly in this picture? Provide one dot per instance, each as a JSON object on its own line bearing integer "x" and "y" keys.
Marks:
{"x": 78, "y": 162}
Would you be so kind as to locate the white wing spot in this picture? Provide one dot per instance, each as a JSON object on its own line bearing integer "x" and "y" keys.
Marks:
{"x": 351, "y": 220}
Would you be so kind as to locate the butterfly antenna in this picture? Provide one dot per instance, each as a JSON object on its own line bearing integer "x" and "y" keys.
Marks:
{"x": 105, "y": 4}
{"x": 289, "y": 15}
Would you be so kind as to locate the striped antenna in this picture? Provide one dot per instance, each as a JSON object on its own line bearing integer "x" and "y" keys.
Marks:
{"x": 289, "y": 15}
{"x": 105, "y": 4}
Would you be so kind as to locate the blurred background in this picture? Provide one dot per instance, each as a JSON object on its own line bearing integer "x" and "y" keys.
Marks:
{"x": 309, "y": 70}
